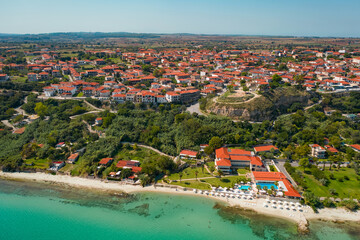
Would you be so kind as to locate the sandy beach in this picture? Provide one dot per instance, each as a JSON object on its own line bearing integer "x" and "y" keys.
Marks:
{"x": 301, "y": 218}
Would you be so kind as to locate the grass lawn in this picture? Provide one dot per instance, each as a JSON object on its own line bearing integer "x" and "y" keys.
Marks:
{"x": 38, "y": 163}
{"x": 192, "y": 184}
{"x": 140, "y": 154}
{"x": 190, "y": 173}
{"x": 228, "y": 181}
{"x": 243, "y": 171}
{"x": 116, "y": 60}
{"x": 346, "y": 189}
{"x": 80, "y": 94}
{"x": 67, "y": 168}
{"x": 212, "y": 163}
{"x": 18, "y": 79}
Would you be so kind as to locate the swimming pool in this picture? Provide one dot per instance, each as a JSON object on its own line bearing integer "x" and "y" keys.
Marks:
{"x": 268, "y": 185}
{"x": 244, "y": 187}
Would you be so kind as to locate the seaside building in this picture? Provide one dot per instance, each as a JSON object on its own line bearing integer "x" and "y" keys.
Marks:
{"x": 73, "y": 158}
{"x": 106, "y": 162}
{"x": 276, "y": 179}
{"x": 228, "y": 159}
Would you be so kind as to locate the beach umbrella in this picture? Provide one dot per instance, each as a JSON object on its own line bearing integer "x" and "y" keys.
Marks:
{"x": 200, "y": 192}
{"x": 299, "y": 208}
{"x": 280, "y": 202}
{"x": 273, "y": 201}
{"x": 268, "y": 201}
{"x": 281, "y": 207}
{"x": 274, "y": 206}
{"x": 242, "y": 193}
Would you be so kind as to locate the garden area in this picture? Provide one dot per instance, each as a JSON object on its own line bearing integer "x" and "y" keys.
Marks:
{"x": 228, "y": 181}
{"x": 337, "y": 183}
{"x": 33, "y": 163}
{"x": 134, "y": 152}
{"x": 190, "y": 173}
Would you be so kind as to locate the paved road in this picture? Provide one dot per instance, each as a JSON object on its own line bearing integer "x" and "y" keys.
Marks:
{"x": 282, "y": 169}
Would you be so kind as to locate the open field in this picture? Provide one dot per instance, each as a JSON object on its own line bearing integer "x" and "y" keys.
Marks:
{"x": 190, "y": 173}
{"x": 37, "y": 163}
{"x": 344, "y": 188}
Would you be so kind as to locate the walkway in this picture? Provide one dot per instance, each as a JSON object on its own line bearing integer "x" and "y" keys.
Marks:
{"x": 151, "y": 148}
{"x": 8, "y": 124}
{"x": 75, "y": 116}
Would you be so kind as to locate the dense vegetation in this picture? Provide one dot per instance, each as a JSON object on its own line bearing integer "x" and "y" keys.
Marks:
{"x": 10, "y": 100}
{"x": 348, "y": 103}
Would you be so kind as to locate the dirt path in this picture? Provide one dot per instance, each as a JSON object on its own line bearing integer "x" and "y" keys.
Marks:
{"x": 151, "y": 148}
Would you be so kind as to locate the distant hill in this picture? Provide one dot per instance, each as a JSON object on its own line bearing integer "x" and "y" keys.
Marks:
{"x": 73, "y": 36}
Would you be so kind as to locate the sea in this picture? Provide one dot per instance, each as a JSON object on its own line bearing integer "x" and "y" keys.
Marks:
{"x": 35, "y": 211}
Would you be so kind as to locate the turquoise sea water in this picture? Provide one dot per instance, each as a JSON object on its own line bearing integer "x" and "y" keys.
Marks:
{"x": 43, "y": 211}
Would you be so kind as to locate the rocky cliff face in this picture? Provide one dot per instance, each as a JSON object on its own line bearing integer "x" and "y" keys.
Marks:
{"x": 266, "y": 107}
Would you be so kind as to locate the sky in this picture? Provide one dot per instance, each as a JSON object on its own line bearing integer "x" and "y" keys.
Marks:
{"x": 323, "y": 18}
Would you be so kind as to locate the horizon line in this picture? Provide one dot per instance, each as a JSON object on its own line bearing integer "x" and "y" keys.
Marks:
{"x": 179, "y": 33}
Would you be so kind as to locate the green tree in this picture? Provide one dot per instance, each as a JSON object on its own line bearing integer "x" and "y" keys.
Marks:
{"x": 180, "y": 176}
{"x": 215, "y": 143}
{"x": 304, "y": 162}
{"x": 196, "y": 173}
{"x": 41, "y": 110}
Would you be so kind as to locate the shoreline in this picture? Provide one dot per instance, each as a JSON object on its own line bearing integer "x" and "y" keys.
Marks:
{"x": 300, "y": 218}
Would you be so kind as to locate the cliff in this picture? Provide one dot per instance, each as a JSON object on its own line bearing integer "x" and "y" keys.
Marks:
{"x": 265, "y": 107}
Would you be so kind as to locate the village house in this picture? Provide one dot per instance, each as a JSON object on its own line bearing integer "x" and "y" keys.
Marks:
{"x": 56, "y": 166}
{"x": 32, "y": 77}
{"x": 105, "y": 162}
{"x": 317, "y": 151}
{"x": 356, "y": 147}
{"x": 73, "y": 158}
{"x": 188, "y": 154}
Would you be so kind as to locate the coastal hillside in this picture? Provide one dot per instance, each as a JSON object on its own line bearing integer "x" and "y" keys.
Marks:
{"x": 266, "y": 106}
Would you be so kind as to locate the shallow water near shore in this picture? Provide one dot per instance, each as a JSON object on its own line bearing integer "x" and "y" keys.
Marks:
{"x": 48, "y": 211}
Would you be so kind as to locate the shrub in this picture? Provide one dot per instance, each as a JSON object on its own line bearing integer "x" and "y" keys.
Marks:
{"x": 350, "y": 204}
{"x": 332, "y": 191}
{"x": 324, "y": 181}
{"x": 346, "y": 178}
{"x": 328, "y": 203}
